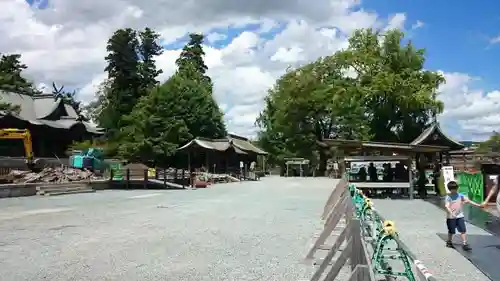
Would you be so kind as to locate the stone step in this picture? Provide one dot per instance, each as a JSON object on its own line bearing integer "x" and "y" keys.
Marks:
{"x": 61, "y": 186}
{"x": 63, "y": 189}
{"x": 56, "y": 193}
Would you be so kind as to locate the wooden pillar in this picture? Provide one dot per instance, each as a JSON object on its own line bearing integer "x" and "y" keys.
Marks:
{"x": 207, "y": 162}
{"x": 464, "y": 161}
{"x": 227, "y": 162}
{"x": 410, "y": 179}
{"x": 264, "y": 163}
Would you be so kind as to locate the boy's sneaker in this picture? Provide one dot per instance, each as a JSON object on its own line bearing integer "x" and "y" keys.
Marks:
{"x": 449, "y": 244}
{"x": 466, "y": 247}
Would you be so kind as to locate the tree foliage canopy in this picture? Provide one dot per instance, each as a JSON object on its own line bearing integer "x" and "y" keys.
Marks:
{"x": 490, "y": 145}
{"x": 11, "y": 80}
{"x": 399, "y": 93}
{"x": 307, "y": 105}
{"x": 171, "y": 114}
{"x": 131, "y": 74}
{"x": 155, "y": 131}
{"x": 376, "y": 89}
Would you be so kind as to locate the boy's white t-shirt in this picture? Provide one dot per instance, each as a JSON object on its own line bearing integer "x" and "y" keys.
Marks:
{"x": 456, "y": 202}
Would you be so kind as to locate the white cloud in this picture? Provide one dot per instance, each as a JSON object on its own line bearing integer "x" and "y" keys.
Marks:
{"x": 417, "y": 25}
{"x": 215, "y": 37}
{"x": 495, "y": 40}
{"x": 66, "y": 43}
{"x": 396, "y": 21}
{"x": 475, "y": 111}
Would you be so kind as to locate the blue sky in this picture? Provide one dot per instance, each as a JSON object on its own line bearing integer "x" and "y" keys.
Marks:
{"x": 456, "y": 34}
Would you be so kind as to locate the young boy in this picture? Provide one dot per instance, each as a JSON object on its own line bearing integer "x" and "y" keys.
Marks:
{"x": 455, "y": 220}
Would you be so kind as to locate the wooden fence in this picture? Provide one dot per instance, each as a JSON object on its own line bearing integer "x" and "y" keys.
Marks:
{"x": 344, "y": 226}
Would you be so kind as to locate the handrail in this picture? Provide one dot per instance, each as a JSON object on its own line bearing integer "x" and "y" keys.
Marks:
{"x": 365, "y": 228}
{"x": 338, "y": 208}
{"x": 364, "y": 206}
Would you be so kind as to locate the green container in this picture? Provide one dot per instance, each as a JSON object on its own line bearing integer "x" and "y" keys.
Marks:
{"x": 117, "y": 171}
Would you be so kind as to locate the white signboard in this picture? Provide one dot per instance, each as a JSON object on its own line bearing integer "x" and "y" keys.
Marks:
{"x": 241, "y": 164}
{"x": 447, "y": 176}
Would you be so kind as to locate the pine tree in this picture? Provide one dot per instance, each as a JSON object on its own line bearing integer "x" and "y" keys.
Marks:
{"x": 209, "y": 121}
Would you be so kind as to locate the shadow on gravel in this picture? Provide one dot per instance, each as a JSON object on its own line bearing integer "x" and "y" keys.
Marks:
{"x": 485, "y": 253}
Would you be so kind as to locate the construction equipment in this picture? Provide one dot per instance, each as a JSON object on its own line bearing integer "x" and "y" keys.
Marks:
{"x": 90, "y": 158}
{"x": 25, "y": 136}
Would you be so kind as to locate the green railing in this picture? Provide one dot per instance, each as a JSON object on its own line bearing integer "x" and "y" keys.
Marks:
{"x": 381, "y": 234}
{"x": 471, "y": 185}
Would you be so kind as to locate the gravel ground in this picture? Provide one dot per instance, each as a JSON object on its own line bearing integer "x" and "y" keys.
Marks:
{"x": 419, "y": 224}
{"x": 238, "y": 231}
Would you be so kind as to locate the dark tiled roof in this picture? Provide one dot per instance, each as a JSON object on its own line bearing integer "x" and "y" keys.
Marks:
{"x": 239, "y": 144}
{"x": 36, "y": 109}
{"x": 381, "y": 145}
{"x": 435, "y": 128}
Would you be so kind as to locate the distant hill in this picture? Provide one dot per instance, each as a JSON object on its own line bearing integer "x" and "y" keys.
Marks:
{"x": 470, "y": 143}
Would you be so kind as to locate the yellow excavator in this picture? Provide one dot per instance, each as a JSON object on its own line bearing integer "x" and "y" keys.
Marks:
{"x": 25, "y": 136}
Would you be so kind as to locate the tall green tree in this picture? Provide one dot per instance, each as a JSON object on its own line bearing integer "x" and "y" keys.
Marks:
{"x": 307, "y": 105}
{"x": 149, "y": 48}
{"x": 11, "y": 79}
{"x": 173, "y": 113}
{"x": 131, "y": 74}
{"x": 399, "y": 93}
{"x": 388, "y": 96}
{"x": 157, "y": 125}
{"x": 206, "y": 118}
{"x": 123, "y": 72}
{"x": 192, "y": 55}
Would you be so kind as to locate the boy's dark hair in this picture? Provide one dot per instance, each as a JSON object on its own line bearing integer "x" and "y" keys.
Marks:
{"x": 452, "y": 185}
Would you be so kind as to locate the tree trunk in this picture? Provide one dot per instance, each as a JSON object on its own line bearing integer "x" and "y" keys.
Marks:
{"x": 323, "y": 157}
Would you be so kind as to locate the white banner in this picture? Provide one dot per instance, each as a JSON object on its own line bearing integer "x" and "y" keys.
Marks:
{"x": 447, "y": 176}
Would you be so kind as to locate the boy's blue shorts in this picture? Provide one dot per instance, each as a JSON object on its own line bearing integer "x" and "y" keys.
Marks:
{"x": 456, "y": 224}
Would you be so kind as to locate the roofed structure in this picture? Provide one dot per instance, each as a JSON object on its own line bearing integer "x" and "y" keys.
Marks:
{"x": 392, "y": 147}
{"x": 431, "y": 140}
{"x": 240, "y": 145}
{"x": 221, "y": 155}
{"x": 45, "y": 110}
{"x": 434, "y": 135}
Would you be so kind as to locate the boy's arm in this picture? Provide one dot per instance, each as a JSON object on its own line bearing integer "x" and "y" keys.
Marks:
{"x": 447, "y": 205}
{"x": 493, "y": 190}
{"x": 468, "y": 201}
